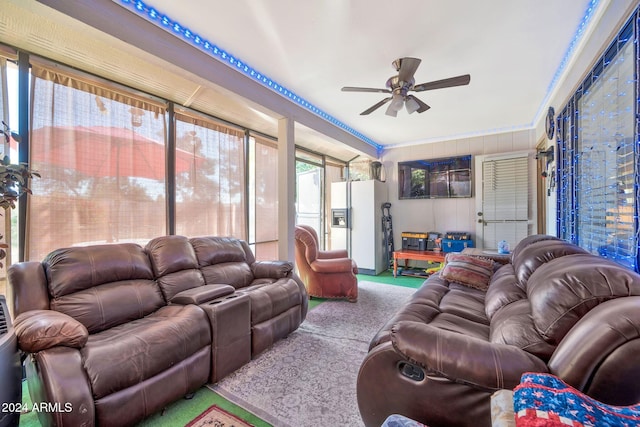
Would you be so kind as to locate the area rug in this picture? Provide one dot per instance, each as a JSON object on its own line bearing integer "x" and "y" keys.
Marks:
{"x": 309, "y": 378}
{"x": 217, "y": 417}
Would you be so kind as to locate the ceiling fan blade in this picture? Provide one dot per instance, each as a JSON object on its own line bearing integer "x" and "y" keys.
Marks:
{"x": 440, "y": 84}
{"x": 376, "y": 106}
{"x": 422, "y": 106}
{"x": 364, "y": 89}
{"x": 408, "y": 67}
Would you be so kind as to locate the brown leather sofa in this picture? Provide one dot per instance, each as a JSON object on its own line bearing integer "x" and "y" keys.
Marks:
{"x": 115, "y": 332}
{"x": 555, "y": 308}
{"x": 326, "y": 274}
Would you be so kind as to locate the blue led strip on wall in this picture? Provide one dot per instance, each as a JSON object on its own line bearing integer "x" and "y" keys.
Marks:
{"x": 574, "y": 42}
{"x": 140, "y": 8}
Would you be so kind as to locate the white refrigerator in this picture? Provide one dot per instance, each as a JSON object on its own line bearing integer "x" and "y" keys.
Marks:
{"x": 364, "y": 232}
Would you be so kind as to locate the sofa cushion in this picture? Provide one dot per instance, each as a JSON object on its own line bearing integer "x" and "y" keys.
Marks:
{"x": 174, "y": 265}
{"x": 472, "y": 271}
{"x": 131, "y": 353}
{"x": 181, "y": 281}
{"x": 102, "y": 286}
{"x": 562, "y": 291}
{"x": 534, "y": 238}
{"x": 529, "y": 258}
{"x": 223, "y": 260}
{"x": 169, "y": 254}
{"x": 442, "y": 304}
{"x": 217, "y": 250}
{"x": 503, "y": 290}
{"x": 75, "y": 269}
{"x": 513, "y": 325}
{"x": 464, "y": 302}
{"x": 112, "y": 304}
{"x": 236, "y": 274}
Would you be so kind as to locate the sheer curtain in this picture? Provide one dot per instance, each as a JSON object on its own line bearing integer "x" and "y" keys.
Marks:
{"x": 101, "y": 154}
{"x": 210, "y": 196}
{"x": 264, "y": 190}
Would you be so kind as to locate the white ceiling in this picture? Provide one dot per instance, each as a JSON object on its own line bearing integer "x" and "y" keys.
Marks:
{"x": 512, "y": 49}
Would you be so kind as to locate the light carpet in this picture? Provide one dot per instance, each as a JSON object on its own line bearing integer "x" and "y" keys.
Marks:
{"x": 309, "y": 379}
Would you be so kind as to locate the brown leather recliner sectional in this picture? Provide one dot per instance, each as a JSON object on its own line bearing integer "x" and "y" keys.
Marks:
{"x": 554, "y": 308}
{"x": 116, "y": 332}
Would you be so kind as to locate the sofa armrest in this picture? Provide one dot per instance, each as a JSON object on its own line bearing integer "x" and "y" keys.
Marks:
{"x": 271, "y": 269}
{"x": 27, "y": 287}
{"x": 598, "y": 354}
{"x": 57, "y": 376}
{"x": 202, "y": 294}
{"x": 333, "y": 253}
{"x": 335, "y": 265}
{"x": 461, "y": 358}
{"x": 39, "y": 330}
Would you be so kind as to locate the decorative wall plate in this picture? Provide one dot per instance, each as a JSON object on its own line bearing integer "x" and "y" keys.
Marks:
{"x": 550, "y": 124}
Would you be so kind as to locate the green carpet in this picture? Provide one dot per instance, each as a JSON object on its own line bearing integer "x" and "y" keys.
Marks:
{"x": 181, "y": 412}
{"x": 386, "y": 277}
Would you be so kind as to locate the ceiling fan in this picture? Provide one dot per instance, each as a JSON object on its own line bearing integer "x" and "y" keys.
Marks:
{"x": 399, "y": 87}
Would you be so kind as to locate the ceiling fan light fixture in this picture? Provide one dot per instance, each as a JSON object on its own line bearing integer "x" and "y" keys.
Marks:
{"x": 397, "y": 102}
{"x": 391, "y": 111}
{"x": 411, "y": 105}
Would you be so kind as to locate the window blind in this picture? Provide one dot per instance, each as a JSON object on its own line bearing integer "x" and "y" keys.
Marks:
{"x": 506, "y": 200}
{"x": 101, "y": 154}
{"x": 210, "y": 194}
{"x": 606, "y": 163}
{"x": 598, "y": 165}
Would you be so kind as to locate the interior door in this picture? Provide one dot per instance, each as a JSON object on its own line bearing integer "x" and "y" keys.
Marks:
{"x": 504, "y": 199}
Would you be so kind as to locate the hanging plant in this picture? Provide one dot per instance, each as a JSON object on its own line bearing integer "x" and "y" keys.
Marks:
{"x": 14, "y": 182}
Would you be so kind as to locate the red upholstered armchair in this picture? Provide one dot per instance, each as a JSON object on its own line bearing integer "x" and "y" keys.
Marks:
{"x": 334, "y": 253}
{"x": 326, "y": 274}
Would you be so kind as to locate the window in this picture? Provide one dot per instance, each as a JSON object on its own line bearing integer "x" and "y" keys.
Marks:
{"x": 7, "y": 95}
{"x": 104, "y": 151}
{"x": 210, "y": 181}
{"x": 598, "y": 167}
{"x": 263, "y": 196}
{"x": 101, "y": 154}
{"x": 315, "y": 173}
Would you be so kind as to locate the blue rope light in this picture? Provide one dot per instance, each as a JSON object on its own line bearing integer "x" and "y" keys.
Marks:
{"x": 574, "y": 42}
{"x": 588, "y": 14}
{"x": 599, "y": 154}
{"x": 142, "y": 9}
